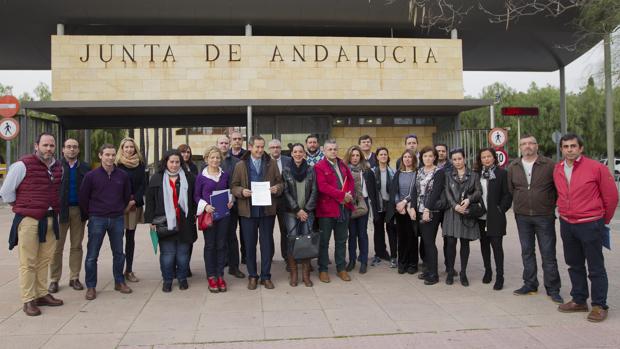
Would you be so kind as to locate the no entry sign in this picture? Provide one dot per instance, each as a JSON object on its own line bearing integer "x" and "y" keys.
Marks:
{"x": 9, "y": 106}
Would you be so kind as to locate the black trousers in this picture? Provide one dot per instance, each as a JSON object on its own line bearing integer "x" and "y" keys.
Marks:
{"x": 407, "y": 240}
{"x": 451, "y": 253}
{"x": 491, "y": 242}
{"x": 233, "y": 242}
{"x": 428, "y": 231}
{"x": 381, "y": 226}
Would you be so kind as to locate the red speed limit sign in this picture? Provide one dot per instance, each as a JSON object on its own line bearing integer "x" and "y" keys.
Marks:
{"x": 502, "y": 157}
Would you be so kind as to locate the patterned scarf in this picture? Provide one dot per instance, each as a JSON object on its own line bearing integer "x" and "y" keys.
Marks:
{"x": 129, "y": 162}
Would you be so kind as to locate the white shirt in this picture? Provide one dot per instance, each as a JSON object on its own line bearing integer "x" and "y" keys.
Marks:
{"x": 528, "y": 167}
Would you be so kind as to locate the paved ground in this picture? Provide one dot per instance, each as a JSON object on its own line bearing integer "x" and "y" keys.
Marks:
{"x": 379, "y": 309}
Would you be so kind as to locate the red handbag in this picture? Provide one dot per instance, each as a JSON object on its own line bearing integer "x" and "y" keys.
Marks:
{"x": 205, "y": 220}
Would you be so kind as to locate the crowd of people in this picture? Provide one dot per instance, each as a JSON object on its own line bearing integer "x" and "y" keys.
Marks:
{"x": 313, "y": 190}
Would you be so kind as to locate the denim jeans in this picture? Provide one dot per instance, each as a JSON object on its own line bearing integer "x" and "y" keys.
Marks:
{"x": 97, "y": 228}
{"x": 173, "y": 254}
{"x": 258, "y": 230}
{"x": 583, "y": 243}
{"x": 541, "y": 228}
{"x": 215, "y": 251}
{"x": 358, "y": 231}
{"x": 326, "y": 225}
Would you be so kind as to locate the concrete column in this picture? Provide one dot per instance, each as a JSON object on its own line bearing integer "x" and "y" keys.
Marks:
{"x": 248, "y": 30}
{"x": 60, "y": 29}
{"x": 609, "y": 105}
{"x": 454, "y": 34}
{"x": 248, "y": 127}
{"x": 563, "y": 115}
{"x": 87, "y": 143}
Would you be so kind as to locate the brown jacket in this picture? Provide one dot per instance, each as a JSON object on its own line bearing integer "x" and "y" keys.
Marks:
{"x": 537, "y": 199}
{"x": 241, "y": 180}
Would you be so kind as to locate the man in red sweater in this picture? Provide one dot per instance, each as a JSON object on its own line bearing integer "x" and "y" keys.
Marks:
{"x": 587, "y": 199}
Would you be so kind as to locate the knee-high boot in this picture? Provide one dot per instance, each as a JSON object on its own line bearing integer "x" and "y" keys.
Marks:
{"x": 305, "y": 272}
{"x": 293, "y": 266}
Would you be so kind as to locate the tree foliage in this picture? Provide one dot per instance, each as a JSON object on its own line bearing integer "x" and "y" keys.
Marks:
{"x": 585, "y": 109}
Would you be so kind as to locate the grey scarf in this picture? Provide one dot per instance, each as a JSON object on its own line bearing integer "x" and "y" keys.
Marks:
{"x": 171, "y": 216}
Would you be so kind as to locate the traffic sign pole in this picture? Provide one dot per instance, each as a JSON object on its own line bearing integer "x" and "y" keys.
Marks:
{"x": 8, "y": 155}
{"x": 519, "y": 134}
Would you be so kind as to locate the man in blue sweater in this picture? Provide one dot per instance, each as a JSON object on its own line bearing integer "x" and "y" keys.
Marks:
{"x": 104, "y": 196}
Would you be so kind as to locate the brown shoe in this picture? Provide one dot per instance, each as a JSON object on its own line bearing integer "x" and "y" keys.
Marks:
{"x": 76, "y": 284}
{"x": 131, "y": 277}
{"x": 49, "y": 300}
{"x": 267, "y": 284}
{"x": 53, "y": 287}
{"x": 344, "y": 276}
{"x": 252, "y": 283}
{"x": 31, "y": 309}
{"x": 122, "y": 287}
{"x": 597, "y": 314}
{"x": 324, "y": 277}
{"x": 572, "y": 307}
{"x": 91, "y": 293}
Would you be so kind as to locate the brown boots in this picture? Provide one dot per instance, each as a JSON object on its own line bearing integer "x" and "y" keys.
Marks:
{"x": 305, "y": 272}
{"x": 292, "y": 264}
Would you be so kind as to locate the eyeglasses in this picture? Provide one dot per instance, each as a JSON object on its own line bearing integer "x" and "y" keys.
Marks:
{"x": 72, "y": 146}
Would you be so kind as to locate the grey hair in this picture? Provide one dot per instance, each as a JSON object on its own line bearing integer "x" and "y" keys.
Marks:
{"x": 330, "y": 141}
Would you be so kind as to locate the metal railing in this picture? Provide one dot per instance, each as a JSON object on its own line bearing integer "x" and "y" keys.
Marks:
{"x": 470, "y": 140}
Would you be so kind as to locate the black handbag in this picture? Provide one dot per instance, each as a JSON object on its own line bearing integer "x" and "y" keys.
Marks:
{"x": 305, "y": 244}
{"x": 161, "y": 227}
{"x": 475, "y": 210}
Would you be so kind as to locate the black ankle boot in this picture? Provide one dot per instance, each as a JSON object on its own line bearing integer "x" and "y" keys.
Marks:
{"x": 464, "y": 280}
{"x": 450, "y": 277}
{"x": 499, "y": 283}
{"x": 488, "y": 276}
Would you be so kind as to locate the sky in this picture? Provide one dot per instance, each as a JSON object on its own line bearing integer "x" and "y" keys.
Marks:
{"x": 577, "y": 74}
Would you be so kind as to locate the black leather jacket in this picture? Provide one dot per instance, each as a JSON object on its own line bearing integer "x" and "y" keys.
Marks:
{"x": 290, "y": 194}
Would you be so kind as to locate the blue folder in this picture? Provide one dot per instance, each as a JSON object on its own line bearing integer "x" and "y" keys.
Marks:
{"x": 220, "y": 202}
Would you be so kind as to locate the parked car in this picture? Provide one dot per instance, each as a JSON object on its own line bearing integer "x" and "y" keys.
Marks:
{"x": 616, "y": 167}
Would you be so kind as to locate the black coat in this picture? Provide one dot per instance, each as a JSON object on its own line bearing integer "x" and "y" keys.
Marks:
{"x": 82, "y": 169}
{"x": 433, "y": 199}
{"x": 394, "y": 187}
{"x": 499, "y": 201}
{"x": 155, "y": 207}
{"x": 138, "y": 182}
{"x": 375, "y": 203}
{"x": 290, "y": 193}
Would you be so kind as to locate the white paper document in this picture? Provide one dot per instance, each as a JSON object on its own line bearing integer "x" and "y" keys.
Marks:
{"x": 261, "y": 196}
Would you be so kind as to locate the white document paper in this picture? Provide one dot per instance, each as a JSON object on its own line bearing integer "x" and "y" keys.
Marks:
{"x": 261, "y": 196}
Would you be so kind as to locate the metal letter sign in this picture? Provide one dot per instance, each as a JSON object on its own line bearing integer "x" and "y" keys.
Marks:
{"x": 9, "y": 129}
{"x": 498, "y": 137}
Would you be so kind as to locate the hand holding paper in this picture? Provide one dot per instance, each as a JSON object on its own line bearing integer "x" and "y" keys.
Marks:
{"x": 261, "y": 193}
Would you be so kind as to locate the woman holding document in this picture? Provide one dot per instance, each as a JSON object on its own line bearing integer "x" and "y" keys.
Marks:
{"x": 169, "y": 196}
{"x": 300, "y": 196}
{"x": 212, "y": 185}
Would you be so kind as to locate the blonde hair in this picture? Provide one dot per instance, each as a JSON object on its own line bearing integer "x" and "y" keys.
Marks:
{"x": 119, "y": 154}
{"x": 210, "y": 150}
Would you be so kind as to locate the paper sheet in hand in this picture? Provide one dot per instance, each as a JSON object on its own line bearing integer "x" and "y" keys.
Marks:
{"x": 220, "y": 202}
{"x": 261, "y": 196}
